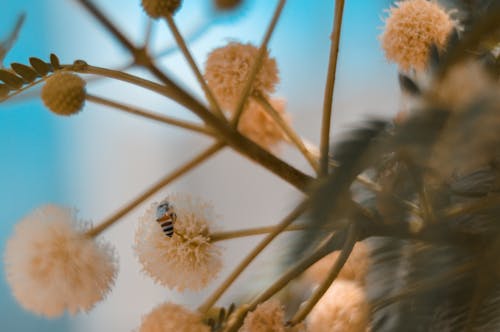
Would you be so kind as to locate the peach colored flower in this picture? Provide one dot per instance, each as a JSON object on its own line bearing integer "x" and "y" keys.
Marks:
{"x": 342, "y": 308}
{"x": 411, "y": 28}
{"x": 187, "y": 260}
{"x": 170, "y": 317}
{"x": 227, "y": 69}
{"x": 52, "y": 266}
{"x": 268, "y": 316}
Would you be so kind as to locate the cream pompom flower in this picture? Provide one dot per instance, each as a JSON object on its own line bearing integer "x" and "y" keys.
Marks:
{"x": 411, "y": 28}
{"x": 343, "y": 308}
{"x": 187, "y": 260}
{"x": 268, "y": 316}
{"x": 52, "y": 266}
{"x": 227, "y": 69}
{"x": 257, "y": 125}
{"x": 169, "y": 317}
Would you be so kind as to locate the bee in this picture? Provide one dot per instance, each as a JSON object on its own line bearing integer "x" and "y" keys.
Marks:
{"x": 166, "y": 217}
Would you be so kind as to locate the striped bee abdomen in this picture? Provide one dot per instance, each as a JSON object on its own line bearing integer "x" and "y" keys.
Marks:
{"x": 166, "y": 217}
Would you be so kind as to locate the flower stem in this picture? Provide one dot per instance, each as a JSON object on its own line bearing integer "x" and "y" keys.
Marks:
{"x": 154, "y": 188}
{"x": 321, "y": 250}
{"x": 149, "y": 115}
{"x": 304, "y": 310}
{"x": 329, "y": 88}
{"x": 247, "y": 89}
{"x": 228, "y": 235}
{"x": 187, "y": 54}
{"x": 212, "y": 299}
{"x": 292, "y": 135}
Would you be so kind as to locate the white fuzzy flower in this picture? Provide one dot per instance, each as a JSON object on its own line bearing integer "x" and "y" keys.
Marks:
{"x": 52, "y": 266}
{"x": 187, "y": 260}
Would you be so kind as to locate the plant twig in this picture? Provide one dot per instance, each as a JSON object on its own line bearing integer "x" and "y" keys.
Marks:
{"x": 329, "y": 88}
{"x": 321, "y": 250}
{"x": 256, "y": 65}
{"x": 150, "y": 115}
{"x": 155, "y": 187}
{"x": 304, "y": 310}
{"x": 212, "y": 299}
{"x": 228, "y": 235}
{"x": 189, "y": 58}
{"x": 292, "y": 135}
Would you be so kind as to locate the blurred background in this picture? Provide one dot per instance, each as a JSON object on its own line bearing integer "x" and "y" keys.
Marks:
{"x": 101, "y": 158}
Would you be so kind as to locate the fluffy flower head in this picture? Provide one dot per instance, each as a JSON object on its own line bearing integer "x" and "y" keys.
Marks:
{"x": 52, "y": 266}
{"x": 187, "y": 260}
{"x": 411, "y": 28}
{"x": 257, "y": 125}
{"x": 64, "y": 93}
{"x": 228, "y": 67}
{"x": 160, "y": 8}
{"x": 169, "y": 317}
{"x": 268, "y": 316}
{"x": 342, "y": 308}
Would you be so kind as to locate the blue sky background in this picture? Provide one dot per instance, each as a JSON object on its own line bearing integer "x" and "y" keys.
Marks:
{"x": 35, "y": 146}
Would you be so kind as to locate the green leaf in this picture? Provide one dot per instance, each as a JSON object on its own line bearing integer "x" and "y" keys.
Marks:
{"x": 10, "y": 79}
{"x": 26, "y": 72}
{"x": 40, "y": 66}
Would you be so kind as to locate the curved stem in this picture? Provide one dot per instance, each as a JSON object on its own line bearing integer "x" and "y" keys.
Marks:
{"x": 292, "y": 135}
{"x": 149, "y": 115}
{"x": 332, "y": 275}
{"x": 256, "y": 65}
{"x": 212, "y": 299}
{"x": 154, "y": 188}
{"x": 187, "y": 54}
{"x": 228, "y": 235}
{"x": 329, "y": 87}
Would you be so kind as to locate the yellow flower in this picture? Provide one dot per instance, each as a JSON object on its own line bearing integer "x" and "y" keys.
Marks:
{"x": 64, "y": 93}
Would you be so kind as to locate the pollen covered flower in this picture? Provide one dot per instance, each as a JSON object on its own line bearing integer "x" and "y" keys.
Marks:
{"x": 343, "y": 308}
{"x": 64, "y": 93}
{"x": 411, "y": 28}
{"x": 227, "y": 69}
{"x": 268, "y": 316}
{"x": 355, "y": 269}
{"x": 257, "y": 125}
{"x": 169, "y": 317}
{"x": 160, "y": 8}
{"x": 187, "y": 260}
{"x": 52, "y": 266}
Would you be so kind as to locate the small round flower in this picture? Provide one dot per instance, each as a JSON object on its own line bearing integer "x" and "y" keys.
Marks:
{"x": 260, "y": 127}
{"x": 52, "y": 266}
{"x": 160, "y": 8}
{"x": 169, "y": 317}
{"x": 411, "y": 28}
{"x": 64, "y": 93}
{"x": 228, "y": 67}
{"x": 355, "y": 269}
{"x": 187, "y": 260}
{"x": 268, "y": 316}
{"x": 343, "y": 308}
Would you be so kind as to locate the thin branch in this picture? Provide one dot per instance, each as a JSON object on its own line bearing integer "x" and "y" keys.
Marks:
{"x": 256, "y": 65}
{"x": 292, "y": 135}
{"x": 321, "y": 250}
{"x": 212, "y": 299}
{"x": 187, "y": 54}
{"x": 228, "y": 235}
{"x": 155, "y": 187}
{"x": 329, "y": 87}
{"x": 150, "y": 115}
{"x": 332, "y": 275}
{"x": 148, "y": 34}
